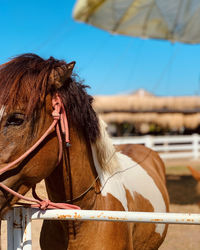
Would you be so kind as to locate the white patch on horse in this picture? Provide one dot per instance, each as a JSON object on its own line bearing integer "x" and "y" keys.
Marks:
{"x": 134, "y": 178}
{"x": 2, "y": 111}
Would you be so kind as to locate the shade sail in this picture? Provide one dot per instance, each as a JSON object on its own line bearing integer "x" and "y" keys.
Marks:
{"x": 174, "y": 20}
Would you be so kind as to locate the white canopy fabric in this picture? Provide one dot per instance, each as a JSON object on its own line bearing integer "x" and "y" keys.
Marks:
{"x": 174, "y": 20}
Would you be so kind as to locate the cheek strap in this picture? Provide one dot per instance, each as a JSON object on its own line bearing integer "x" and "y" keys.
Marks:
{"x": 59, "y": 115}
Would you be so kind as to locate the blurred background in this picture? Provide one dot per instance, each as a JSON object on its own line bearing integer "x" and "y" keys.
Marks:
{"x": 145, "y": 77}
{"x": 110, "y": 64}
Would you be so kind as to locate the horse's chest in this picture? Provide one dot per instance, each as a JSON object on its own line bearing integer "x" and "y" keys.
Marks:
{"x": 101, "y": 236}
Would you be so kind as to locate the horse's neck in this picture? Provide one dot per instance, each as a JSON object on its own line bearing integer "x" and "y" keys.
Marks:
{"x": 81, "y": 172}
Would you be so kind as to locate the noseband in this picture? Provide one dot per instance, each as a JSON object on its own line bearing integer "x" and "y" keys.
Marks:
{"x": 59, "y": 115}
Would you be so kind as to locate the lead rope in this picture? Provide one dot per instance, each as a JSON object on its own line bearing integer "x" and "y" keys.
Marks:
{"x": 58, "y": 114}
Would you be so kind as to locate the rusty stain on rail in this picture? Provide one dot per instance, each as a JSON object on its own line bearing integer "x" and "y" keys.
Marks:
{"x": 157, "y": 220}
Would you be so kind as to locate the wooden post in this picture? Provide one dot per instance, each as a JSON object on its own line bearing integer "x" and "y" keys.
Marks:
{"x": 195, "y": 144}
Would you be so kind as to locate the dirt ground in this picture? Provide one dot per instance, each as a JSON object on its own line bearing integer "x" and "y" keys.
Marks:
{"x": 184, "y": 198}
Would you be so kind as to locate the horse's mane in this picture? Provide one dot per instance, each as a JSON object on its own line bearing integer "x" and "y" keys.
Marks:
{"x": 26, "y": 79}
{"x": 105, "y": 151}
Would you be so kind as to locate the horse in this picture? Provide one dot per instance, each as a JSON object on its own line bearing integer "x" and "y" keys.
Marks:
{"x": 90, "y": 172}
{"x": 196, "y": 175}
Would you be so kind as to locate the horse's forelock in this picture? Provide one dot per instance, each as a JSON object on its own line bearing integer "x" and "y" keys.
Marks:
{"x": 25, "y": 79}
{"x": 2, "y": 111}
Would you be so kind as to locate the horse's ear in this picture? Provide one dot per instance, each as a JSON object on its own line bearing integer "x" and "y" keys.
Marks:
{"x": 60, "y": 74}
{"x": 70, "y": 67}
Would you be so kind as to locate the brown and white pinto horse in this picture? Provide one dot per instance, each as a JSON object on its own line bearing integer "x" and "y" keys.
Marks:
{"x": 92, "y": 173}
{"x": 196, "y": 175}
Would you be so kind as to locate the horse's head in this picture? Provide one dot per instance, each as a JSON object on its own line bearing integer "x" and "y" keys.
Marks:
{"x": 27, "y": 85}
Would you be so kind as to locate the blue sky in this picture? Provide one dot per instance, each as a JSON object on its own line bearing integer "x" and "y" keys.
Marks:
{"x": 110, "y": 64}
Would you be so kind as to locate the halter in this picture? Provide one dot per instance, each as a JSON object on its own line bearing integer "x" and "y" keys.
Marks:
{"x": 58, "y": 114}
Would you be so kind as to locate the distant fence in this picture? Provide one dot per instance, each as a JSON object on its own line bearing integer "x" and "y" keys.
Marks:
{"x": 168, "y": 147}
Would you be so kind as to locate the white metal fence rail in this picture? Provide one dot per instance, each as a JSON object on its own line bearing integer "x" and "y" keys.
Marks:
{"x": 169, "y": 147}
{"x": 19, "y": 221}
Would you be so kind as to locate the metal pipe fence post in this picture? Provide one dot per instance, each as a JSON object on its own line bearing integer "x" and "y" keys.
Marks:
{"x": 10, "y": 232}
{"x": 26, "y": 229}
{"x": 17, "y": 228}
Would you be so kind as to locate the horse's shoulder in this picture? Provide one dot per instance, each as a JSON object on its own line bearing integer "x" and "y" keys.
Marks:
{"x": 150, "y": 161}
{"x": 145, "y": 157}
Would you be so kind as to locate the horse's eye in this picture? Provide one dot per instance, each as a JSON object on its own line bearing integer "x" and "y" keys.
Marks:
{"x": 15, "y": 119}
